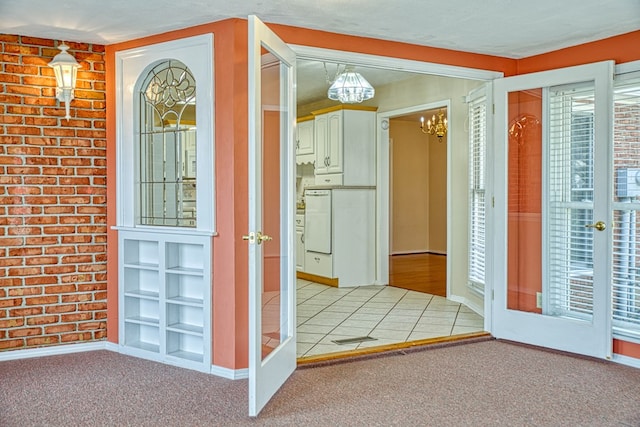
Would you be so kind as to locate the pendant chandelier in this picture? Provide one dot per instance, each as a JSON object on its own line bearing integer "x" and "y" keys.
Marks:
{"x": 438, "y": 128}
{"x": 350, "y": 87}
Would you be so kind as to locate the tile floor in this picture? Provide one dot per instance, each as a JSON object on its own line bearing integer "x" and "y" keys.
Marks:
{"x": 391, "y": 315}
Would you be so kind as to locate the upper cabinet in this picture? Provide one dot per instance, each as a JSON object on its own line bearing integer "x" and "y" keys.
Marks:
{"x": 345, "y": 146}
{"x": 305, "y": 140}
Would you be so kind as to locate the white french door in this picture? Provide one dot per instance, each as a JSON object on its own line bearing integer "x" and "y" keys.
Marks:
{"x": 272, "y": 111}
{"x": 552, "y": 216}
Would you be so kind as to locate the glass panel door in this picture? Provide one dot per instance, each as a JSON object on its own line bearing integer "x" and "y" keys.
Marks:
{"x": 272, "y": 343}
{"x": 552, "y": 216}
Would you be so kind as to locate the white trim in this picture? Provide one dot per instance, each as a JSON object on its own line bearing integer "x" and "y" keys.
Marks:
{"x": 182, "y": 231}
{"x": 397, "y": 64}
{"x": 230, "y": 374}
{"x": 384, "y": 187}
{"x": 465, "y": 301}
{"x": 626, "y": 360}
{"x": 53, "y": 350}
{"x": 196, "y": 53}
{"x": 627, "y": 67}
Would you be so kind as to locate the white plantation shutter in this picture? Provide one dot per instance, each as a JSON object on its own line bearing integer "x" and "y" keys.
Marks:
{"x": 626, "y": 207}
{"x": 477, "y": 161}
{"x": 570, "y": 201}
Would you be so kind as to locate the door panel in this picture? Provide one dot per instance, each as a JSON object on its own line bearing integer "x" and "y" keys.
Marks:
{"x": 272, "y": 343}
{"x": 553, "y": 136}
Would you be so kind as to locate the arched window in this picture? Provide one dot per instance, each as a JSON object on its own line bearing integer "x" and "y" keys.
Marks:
{"x": 167, "y": 152}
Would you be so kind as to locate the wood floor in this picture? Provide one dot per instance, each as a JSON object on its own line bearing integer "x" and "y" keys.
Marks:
{"x": 419, "y": 272}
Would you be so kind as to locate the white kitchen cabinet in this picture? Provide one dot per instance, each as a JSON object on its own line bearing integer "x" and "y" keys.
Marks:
{"x": 300, "y": 256}
{"x": 351, "y": 258}
{"x": 345, "y": 146}
{"x": 165, "y": 298}
{"x": 305, "y": 145}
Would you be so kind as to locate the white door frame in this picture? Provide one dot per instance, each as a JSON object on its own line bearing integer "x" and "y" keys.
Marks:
{"x": 383, "y": 187}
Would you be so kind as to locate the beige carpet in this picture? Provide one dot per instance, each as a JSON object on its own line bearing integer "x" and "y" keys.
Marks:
{"x": 488, "y": 383}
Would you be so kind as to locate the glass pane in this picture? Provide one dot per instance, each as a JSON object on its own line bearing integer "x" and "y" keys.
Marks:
{"x": 626, "y": 203}
{"x": 168, "y": 147}
{"x": 562, "y": 171}
{"x": 524, "y": 228}
{"x": 274, "y": 203}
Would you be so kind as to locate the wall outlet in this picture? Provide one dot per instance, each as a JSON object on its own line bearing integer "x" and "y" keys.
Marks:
{"x": 539, "y": 299}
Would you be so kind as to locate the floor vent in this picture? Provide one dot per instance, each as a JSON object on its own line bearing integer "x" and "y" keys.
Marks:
{"x": 354, "y": 340}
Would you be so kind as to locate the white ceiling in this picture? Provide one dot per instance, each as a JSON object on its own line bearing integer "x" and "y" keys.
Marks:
{"x": 509, "y": 28}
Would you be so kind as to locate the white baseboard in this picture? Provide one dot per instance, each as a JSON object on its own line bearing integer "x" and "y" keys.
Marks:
{"x": 462, "y": 300}
{"x": 53, "y": 350}
{"x": 626, "y": 360}
{"x": 231, "y": 374}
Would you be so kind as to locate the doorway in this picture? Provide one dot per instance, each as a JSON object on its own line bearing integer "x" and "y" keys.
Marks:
{"x": 326, "y": 314}
{"x": 418, "y": 201}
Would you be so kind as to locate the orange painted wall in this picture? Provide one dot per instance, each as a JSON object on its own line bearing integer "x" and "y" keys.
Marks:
{"x": 623, "y": 48}
{"x": 230, "y": 255}
{"x": 230, "y": 258}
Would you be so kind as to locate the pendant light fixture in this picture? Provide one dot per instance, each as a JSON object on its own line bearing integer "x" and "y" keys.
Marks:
{"x": 350, "y": 87}
{"x": 433, "y": 127}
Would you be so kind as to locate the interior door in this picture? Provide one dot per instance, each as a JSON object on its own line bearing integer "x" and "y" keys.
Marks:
{"x": 272, "y": 342}
{"x": 552, "y": 212}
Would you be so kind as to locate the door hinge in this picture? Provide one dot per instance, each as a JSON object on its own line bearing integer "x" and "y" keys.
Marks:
{"x": 493, "y": 202}
{"x": 493, "y": 107}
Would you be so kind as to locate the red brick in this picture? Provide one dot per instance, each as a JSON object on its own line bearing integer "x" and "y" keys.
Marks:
{"x": 13, "y": 281}
{"x": 5, "y": 344}
{"x": 24, "y": 332}
{"x": 23, "y": 170}
{"x": 76, "y": 239}
{"x": 59, "y": 269}
{"x": 12, "y": 302}
{"x": 100, "y": 334}
{"x": 45, "y": 142}
{"x": 10, "y": 262}
{"x": 22, "y": 50}
{"x": 59, "y": 210}
{"x": 11, "y": 323}
{"x": 41, "y": 341}
{"x": 24, "y": 231}
{"x": 63, "y": 180}
{"x": 89, "y": 326}
{"x": 21, "y": 89}
{"x": 76, "y": 317}
{"x": 25, "y": 290}
{"x": 32, "y": 100}
{"x": 21, "y": 312}
{"x": 24, "y": 190}
{"x": 59, "y": 289}
{"x": 56, "y": 329}
{"x": 66, "y": 308}
{"x": 41, "y": 240}
{"x": 41, "y": 280}
{"x": 11, "y": 120}
{"x": 76, "y": 298}
{"x": 38, "y": 81}
{"x": 52, "y": 299}
{"x": 60, "y": 250}
{"x": 59, "y": 190}
{"x": 43, "y": 320}
{"x": 26, "y": 271}
{"x": 42, "y": 219}
{"x": 75, "y": 337}
{"x": 59, "y": 132}
{"x": 41, "y": 260}
{"x": 19, "y": 252}
{"x": 6, "y": 179}
{"x": 94, "y": 306}
{"x": 58, "y": 230}
{"x": 22, "y": 150}
{"x": 47, "y": 161}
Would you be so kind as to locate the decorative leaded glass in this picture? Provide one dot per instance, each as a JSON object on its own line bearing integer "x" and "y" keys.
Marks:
{"x": 168, "y": 146}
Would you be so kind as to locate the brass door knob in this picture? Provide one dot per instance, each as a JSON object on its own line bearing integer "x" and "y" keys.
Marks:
{"x": 600, "y": 226}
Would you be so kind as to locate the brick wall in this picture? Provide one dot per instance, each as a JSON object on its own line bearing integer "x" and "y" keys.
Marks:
{"x": 52, "y": 198}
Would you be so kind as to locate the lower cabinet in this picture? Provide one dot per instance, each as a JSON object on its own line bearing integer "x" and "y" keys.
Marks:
{"x": 165, "y": 297}
{"x": 300, "y": 261}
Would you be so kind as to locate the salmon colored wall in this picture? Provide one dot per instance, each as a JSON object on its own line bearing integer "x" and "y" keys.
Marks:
{"x": 230, "y": 320}
{"x": 623, "y": 48}
{"x": 230, "y": 254}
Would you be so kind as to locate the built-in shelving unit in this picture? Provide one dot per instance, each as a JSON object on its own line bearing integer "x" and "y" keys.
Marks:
{"x": 165, "y": 297}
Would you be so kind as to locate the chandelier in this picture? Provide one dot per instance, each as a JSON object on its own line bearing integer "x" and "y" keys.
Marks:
{"x": 350, "y": 87}
{"x": 438, "y": 128}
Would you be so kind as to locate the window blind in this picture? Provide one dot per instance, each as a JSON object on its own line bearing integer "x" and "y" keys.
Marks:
{"x": 477, "y": 160}
{"x": 626, "y": 204}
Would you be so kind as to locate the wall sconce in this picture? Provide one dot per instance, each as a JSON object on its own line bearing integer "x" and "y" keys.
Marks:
{"x": 65, "y": 67}
{"x": 438, "y": 128}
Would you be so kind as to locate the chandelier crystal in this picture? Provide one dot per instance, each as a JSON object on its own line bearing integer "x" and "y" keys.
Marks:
{"x": 350, "y": 88}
